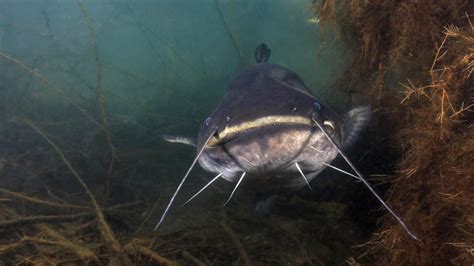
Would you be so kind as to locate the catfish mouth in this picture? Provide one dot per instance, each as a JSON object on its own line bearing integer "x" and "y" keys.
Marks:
{"x": 232, "y": 132}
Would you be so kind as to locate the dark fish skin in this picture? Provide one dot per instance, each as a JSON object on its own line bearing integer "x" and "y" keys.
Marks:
{"x": 261, "y": 91}
{"x": 264, "y": 126}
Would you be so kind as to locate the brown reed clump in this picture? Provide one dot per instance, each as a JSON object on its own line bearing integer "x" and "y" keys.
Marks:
{"x": 389, "y": 38}
{"x": 426, "y": 50}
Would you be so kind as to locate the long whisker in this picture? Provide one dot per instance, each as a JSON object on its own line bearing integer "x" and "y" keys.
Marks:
{"x": 184, "y": 179}
{"x": 365, "y": 182}
{"x": 342, "y": 171}
{"x": 202, "y": 189}
{"x": 302, "y": 174}
{"x": 235, "y": 188}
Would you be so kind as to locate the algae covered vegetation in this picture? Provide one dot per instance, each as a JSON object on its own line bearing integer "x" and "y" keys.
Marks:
{"x": 415, "y": 61}
{"x": 86, "y": 90}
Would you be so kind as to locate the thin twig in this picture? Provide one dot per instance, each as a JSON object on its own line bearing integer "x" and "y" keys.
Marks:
{"x": 45, "y": 218}
{"x": 124, "y": 205}
{"x": 235, "y": 240}
{"x": 234, "y": 41}
{"x": 193, "y": 259}
{"x": 11, "y": 248}
{"x": 133, "y": 248}
{"x": 100, "y": 97}
{"x": 42, "y": 202}
{"x": 149, "y": 213}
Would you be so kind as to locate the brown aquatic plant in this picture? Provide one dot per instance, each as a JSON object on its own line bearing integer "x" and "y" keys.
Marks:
{"x": 416, "y": 58}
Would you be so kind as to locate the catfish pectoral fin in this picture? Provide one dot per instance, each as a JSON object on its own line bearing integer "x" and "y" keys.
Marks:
{"x": 356, "y": 120}
{"x": 179, "y": 139}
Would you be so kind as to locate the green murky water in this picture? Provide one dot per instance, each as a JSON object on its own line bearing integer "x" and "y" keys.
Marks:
{"x": 160, "y": 67}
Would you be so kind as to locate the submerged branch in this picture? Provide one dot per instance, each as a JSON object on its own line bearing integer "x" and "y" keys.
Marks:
{"x": 237, "y": 243}
{"x": 234, "y": 41}
{"x": 40, "y": 201}
{"x": 133, "y": 248}
{"x": 45, "y": 218}
{"x": 100, "y": 97}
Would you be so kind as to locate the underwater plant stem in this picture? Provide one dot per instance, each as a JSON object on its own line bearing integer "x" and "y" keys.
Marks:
{"x": 104, "y": 227}
{"x": 149, "y": 212}
{"x": 11, "y": 248}
{"x": 100, "y": 97}
{"x": 58, "y": 218}
{"x": 234, "y": 41}
{"x": 400, "y": 221}
{"x": 237, "y": 243}
{"x": 117, "y": 207}
{"x": 437, "y": 57}
{"x": 40, "y": 201}
{"x": 44, "y": 219}
{"x": 193, "y": 259}
{"x": 132, "y": 249}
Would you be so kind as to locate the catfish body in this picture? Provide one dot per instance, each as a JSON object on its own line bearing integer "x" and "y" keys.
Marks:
{"x": 264, "y": 125}
{"x": 270, "y": 128}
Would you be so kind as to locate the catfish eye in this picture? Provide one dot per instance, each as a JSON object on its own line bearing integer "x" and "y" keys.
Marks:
{"x": 330, "y": 127}
{"x": 208, "y": 121}
{"x": 317, "y": 106}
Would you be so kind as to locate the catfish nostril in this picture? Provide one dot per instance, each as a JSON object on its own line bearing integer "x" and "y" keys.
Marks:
{"x": 208, "y": 121}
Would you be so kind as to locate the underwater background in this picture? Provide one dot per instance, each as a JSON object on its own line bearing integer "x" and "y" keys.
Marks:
{"x": 87, "y": 88}
{"x": 104, "y": 79}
